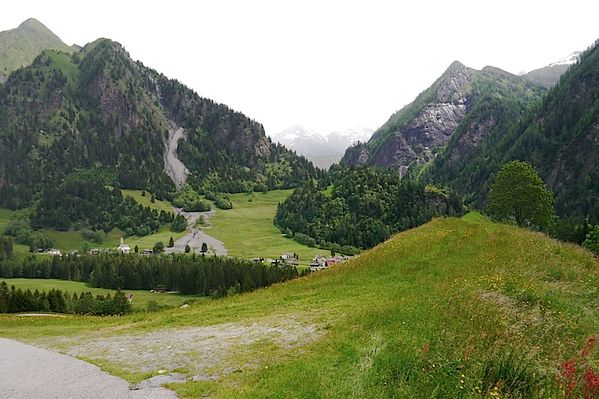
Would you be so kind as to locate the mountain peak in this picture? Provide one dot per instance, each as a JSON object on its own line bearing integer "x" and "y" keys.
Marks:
{"x": 497, "y": 71}
{"x": 31, "y": 23}
{"x": 569, "y": 60}
{"x": 20, "y": 46}
{"x": 455, "y": 66}
{"x": 549, "y": 75}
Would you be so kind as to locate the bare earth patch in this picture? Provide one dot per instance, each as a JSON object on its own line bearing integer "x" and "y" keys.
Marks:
{"x": 199, "y": 352}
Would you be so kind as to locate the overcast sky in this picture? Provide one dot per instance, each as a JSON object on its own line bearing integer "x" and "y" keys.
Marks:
{"x": 326, "y": 65}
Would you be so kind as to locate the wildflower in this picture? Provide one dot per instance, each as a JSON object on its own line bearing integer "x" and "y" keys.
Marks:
{"x": 588, "y": 347}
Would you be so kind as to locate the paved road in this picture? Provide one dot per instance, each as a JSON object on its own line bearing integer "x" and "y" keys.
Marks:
{"x": 30, "y": 372}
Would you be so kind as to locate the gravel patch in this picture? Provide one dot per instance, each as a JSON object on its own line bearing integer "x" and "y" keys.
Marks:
{"x": 203, "y": 352}
{"x": 173, "y": 167}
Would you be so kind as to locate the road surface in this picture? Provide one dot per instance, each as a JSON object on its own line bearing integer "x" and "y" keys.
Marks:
{"x": 30, "y": 372}
{"x": 197, "y": 237}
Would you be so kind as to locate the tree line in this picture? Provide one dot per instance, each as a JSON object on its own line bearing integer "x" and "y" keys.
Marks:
{"x": 188, "y": 274}
{"x": 85, "y": 199}
{"x": 15, "y": 300}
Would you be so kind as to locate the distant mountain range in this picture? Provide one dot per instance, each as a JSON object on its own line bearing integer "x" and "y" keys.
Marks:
{"x": 549, "y": 75}
{"x": 20, "y": 46}
{"x": 322, "y": 150}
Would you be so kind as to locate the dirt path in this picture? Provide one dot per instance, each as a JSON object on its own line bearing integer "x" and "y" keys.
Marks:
{"x": 197, "y": 237}
{"x": 202, "y": 353}
{"x": 173, "y": 166}
{"x": 30, "y": 372}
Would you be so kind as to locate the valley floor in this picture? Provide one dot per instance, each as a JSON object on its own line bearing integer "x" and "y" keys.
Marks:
{"x": 246, "y": 231}
{"x": 455, "y": 308}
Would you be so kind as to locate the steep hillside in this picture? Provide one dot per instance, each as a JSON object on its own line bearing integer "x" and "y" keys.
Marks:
{"x": 20, "y": 46}
{"x": 457, "y": 308}
{"x": 99, "y": 110}
{"x": 549, "y": 75}
{"x": 462, "y": 100}
{"x": 559, "y": 136}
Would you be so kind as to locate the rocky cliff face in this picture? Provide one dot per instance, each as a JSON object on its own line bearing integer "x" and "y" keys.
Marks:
{"x": 416, "y": 141}
{"x": 412, "y": 135}
{"x": 452, "y": 117}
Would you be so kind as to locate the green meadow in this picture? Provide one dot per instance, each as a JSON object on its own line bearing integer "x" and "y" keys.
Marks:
{"x": 247, "y": 230}
{"x": 139, "y": 301}
{"x": 456, "y": 308}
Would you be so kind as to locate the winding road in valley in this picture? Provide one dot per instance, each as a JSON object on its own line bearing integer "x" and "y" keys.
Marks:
{"x": 197, "y": 237}
{"x": 27, "y": 372}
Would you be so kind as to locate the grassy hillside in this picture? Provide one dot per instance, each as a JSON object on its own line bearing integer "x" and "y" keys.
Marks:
{"x": 145, "y": 200}
{"x": 247, "y": 230}
{"x": 19, "y": 46}
{"x": 140, "y": 297}
{"x": 457, "y": 308}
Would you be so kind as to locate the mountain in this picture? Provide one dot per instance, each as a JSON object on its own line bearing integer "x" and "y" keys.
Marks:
{"x": 100, "y": 111}
{"x": 20, "y": 46}
{"x": 463, "y": 102}
{"x": 558, "y": 135}
{"x": 549, "y": 75}
{"x": 321, "y": 150}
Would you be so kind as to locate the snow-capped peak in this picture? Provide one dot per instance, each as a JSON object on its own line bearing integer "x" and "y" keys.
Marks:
{"x": 353, "y": 135}
{"x": 297, "y": 133}
{"x": 569, "y": 60}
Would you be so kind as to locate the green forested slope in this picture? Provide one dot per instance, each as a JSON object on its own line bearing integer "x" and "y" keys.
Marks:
{"x": 559, "y": 136}
{"x": 100, "y": 112}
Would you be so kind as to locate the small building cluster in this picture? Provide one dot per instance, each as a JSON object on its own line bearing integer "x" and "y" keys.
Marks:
{"x": 320, "y": 262}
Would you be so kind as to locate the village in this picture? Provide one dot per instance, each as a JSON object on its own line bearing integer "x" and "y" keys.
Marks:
{"x": 319, "y": 262}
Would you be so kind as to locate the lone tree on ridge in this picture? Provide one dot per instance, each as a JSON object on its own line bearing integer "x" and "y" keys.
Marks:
{"x": 519, "y": 193}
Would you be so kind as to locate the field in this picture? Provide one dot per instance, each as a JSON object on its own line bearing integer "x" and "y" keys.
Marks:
{"x": 247, "y": 230}
{"x": 72, "y": 240}
{"x": 140, "y": 298}
{"x": 145, "y": 200}
{"x": 457, "y": 308}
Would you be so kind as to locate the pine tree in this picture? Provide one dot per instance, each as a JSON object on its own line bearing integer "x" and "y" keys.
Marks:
{"x": 171, "y": 242}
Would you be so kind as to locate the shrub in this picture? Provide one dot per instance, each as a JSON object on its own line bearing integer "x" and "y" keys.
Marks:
{"x": 94, "y": 236}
